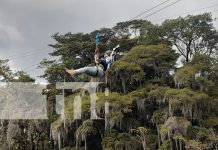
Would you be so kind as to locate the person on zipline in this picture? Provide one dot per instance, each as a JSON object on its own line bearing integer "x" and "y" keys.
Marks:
{"x": 98, "y": 70}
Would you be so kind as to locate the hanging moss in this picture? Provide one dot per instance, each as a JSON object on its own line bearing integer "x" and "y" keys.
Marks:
{"x": 159, "y": 116}
{"x": 178, "y": 124}
{"x": 204, "y": 83}
{"x": 213, "y": 91}
{"x": 109, "y": 139}
{"x": 163, "y": 132}
{"x": 158, "y": 95}
{"x": 195, "y": 132}
{"x": 184, "y": 100}
{"x": 195, "y": 144}
{"x": 114, "y": 140}
{"x": 143, "y": 62}
{"x": 185, "y": 75}
{"x": 140, "y": 96}
{"x": 196, "y": 73}
{"x": 69, "y": 106}
{"x": 139, "y": 93}
{"x": 165, "y": 145}
{"x": 85, "y": 130}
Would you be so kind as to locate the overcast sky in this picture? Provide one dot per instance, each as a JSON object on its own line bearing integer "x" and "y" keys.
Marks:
{"x": 27, "y": 25}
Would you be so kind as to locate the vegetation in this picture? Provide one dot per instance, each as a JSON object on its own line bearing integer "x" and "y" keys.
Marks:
{"x": 153, "y": 105}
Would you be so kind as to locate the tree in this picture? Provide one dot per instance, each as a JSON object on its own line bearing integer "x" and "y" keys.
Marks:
{"x": 197, "y": 73}
{"x": 74, "y": 50}
{"x": 141, "y": 63}
{"x": 21, "y": 76}
{"x": 141, "y": 134}
{"x": 130, "y": 28}
{"x": 142, "y": 92}
{"x": 192, "y": 34}
{"x": 5, "y": 71}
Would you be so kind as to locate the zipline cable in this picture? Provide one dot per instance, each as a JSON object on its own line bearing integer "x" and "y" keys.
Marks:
{"x": 26, "y": 52}
{"x": 149, "y": 10}
{"x": 165, "y": 8}
{"x": 156, "y": 11}
{"x": 189, "y": 12}
{"x": 161, "y": 9}
{"x": 28, "y": 68}
{"x": 30, "y": 54}
{"x": 153, "y": 12}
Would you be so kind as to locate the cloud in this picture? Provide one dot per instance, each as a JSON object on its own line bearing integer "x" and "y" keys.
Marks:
{"x": 9, "y": 34}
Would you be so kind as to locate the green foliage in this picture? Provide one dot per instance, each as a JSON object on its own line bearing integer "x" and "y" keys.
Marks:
{"x": 126, "y": 29}
{"x": 159, "y": 116}
{"x": 210, "y": 122}
{"x": 184, "y": 99}
{"x": 8, "y": 76}
{"x": 165, "y": 145}
{"x": 196, "y": 144}
{"x": 152, "y": 34}
{"x": 142, "y": 98}
{"x": 23, "y": 77}
{"x": 213, "y": 91}
{"x": 185, "y": 75}
{"x": 5, "y": 70}
{"x": 158, "y": 94}
{"x": 69, "y": 106}
{"x": 55, "y": 71}
{"x": 192, "y": 34}
{"x": 146, "y": 57}
{"x": 196, "y": 73}
{"x": 142, "y": 63}
{"x": 116, "y": 140}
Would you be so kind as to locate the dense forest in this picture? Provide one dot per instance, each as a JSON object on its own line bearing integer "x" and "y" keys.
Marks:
{"x": 163, "y": 90}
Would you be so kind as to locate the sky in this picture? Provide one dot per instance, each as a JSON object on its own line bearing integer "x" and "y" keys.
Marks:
{"x": 26, "y": 26}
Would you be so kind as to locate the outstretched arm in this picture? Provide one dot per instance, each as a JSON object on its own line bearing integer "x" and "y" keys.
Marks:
{"x": 112, "y": 53}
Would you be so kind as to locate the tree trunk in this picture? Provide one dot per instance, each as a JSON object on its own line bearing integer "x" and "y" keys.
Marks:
{"x": 176, "y": 144}
{"x": 123, "y": 84}
{"x": 158, "y": 135}
{"x": 144, "y": 145}
{"x": 85, "y": 144}
{"x": 171, "y": 144}
{"x": 180, "y": 145}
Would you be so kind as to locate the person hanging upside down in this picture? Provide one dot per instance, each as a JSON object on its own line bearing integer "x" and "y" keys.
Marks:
{"x": 95, "y": 71}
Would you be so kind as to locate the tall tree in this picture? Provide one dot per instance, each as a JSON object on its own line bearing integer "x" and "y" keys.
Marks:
{"x": 142, "y": 63}
{"x": 192, "y": 34}
{"x": 5, "y": 71}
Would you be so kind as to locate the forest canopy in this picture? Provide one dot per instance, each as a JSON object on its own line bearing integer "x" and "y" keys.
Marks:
{"x": 154, "y": 104}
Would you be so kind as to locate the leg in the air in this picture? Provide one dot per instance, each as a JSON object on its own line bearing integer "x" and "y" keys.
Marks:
{"x": 94, "y": 71}
{"x": 73, "y": 72}
{"x": 91, "y": 71}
